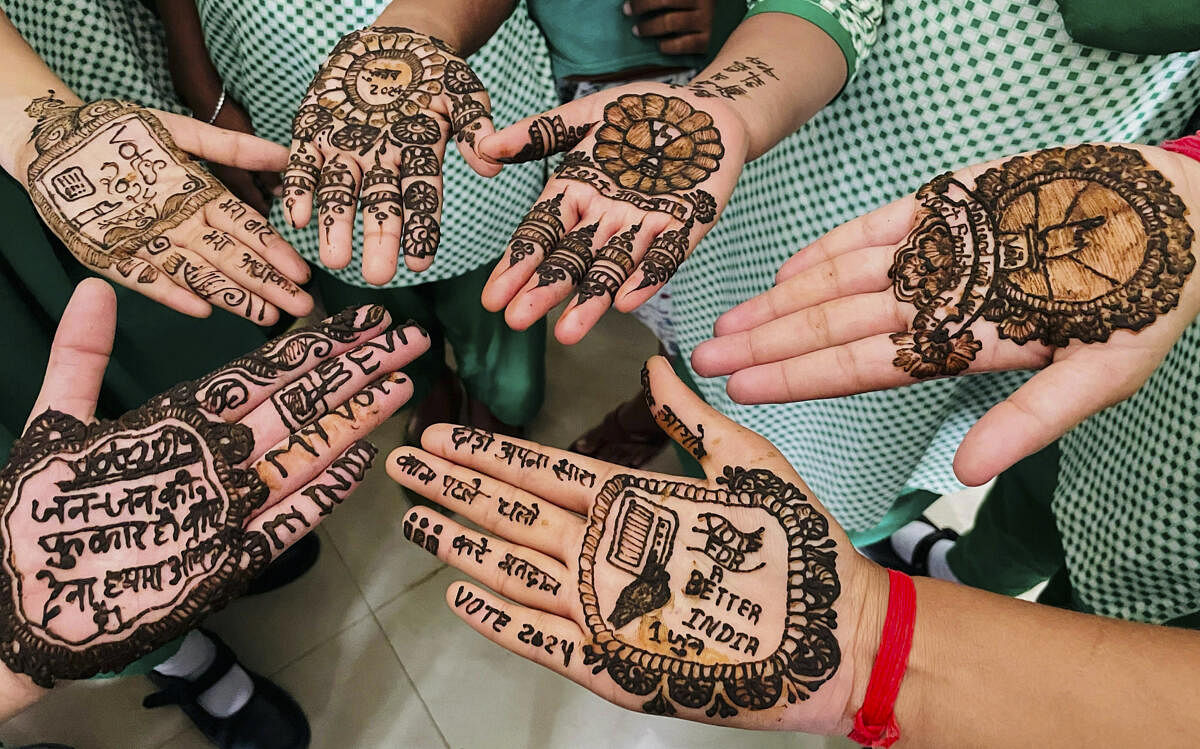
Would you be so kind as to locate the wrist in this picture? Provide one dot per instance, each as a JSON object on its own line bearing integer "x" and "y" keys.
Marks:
{"x": 424, "y": 21}
{"x": 871, "y": 588}
{"x": 16, "y": 131}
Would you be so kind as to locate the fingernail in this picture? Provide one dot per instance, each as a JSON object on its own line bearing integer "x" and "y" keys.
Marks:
{"x": 636, "y": 32}
{"x": 627, "y": 9}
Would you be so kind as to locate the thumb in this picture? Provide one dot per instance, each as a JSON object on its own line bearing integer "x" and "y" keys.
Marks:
{"x": 712, "y": 438}
{"x": 228, "y": 147}
{"x": 537, "y": 137}
{"x": 1040, "y": 411}
{"x": 79, "y": 354}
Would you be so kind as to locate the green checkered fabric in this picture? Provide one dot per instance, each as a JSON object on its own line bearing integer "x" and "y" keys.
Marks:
{"x": 267, "y": 54}
{"x": 950, "y": 83}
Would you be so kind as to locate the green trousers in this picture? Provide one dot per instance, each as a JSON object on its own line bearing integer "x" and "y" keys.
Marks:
{"x": 501, "y": 367}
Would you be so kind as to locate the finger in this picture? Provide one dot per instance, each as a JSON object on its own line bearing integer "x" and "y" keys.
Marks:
{"x": 382, "y": 221}
{"x": 194, "y": 273}
{"x": 671, "y": 22}
{"x": 533, "y": 138}
{"x": 686, "y": 44}
{"x": 614, "y": 264}
{"x": 642, "y": 7}
{"x": 887, "y": 225}
{"x": 663, "y": 257}
{"x": 229, "y": 147}
{"x": 493, "y": 505}
{"x": 858, "y": 272}
{"x": 552, "y": 641}
{"x": 234, "y": 390}
{"x": 700, "y": 429}
{"x": 227, "y": 213}
{"x": 470, "y": 114}
{"x": 296, "y": 460}
{"x": 80, "y": 351}
{"x": 1045, "y": 408}
{"x": 299, "y": 180}
{"x": 535, "y": 237}
{"x": 563, "y": 478}
{"x": 249, "y": 270}
{"x": 862, "y": 366}
{"x": 331, "y": 383}
{"x": 293, "y": 517}
{"x": 557, "y": 275}
{"x": 241, "y": 183}
{"x": 336, "y": 196}
{"x": 515, "y": 572}
{"x": 138, "y": 274}
{"x": 820, "y": 327}
{"x": 421, "y": 182}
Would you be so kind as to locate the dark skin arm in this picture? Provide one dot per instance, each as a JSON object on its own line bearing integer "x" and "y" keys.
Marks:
{"x": 682, "y": 27}
{"x": 199, "y": 86}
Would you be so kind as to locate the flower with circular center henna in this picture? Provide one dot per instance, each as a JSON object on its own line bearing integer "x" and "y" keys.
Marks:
{"x": 352, "y": 137}
{"x": 421, "y": 235}
{"x": 419, "y": 161}
{"x": 421, "y": 197}
{"x": 657, "y": 144}
{"x": 420, "y": 129}
{"x": 311, "y": 121}
{"x": 460, "y": 79}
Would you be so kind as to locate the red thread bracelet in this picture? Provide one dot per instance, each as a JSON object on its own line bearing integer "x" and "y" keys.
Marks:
{"x": 875, "y": 723}
{"x": 1189, "y": 145}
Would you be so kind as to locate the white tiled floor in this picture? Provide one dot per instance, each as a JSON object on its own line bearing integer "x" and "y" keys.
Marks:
{"x": 367, "y": 646}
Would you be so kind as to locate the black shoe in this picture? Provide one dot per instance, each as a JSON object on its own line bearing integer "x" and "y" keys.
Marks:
{"x": 882, "y": 552}
{"x": 291, "y": 564}
{"x": 271, "y": 719}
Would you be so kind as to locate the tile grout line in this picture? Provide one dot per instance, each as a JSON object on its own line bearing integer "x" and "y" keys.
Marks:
{"x": 388, "y": 640}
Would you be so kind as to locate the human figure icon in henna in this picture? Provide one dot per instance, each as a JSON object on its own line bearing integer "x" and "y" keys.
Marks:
{"x": 118, "y": 536}
{"x": 647, "y": 171}
{"x": 373, "y": 130}
{"x": 115, "y": 182}
{"x": 1077, "y": 261}
{"x": 716, "y": 600}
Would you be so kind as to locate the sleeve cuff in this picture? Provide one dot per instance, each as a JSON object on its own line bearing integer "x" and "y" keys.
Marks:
{"x": 815, "y": 14}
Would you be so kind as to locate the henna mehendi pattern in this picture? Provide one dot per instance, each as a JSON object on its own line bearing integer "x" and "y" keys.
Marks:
{"x": 1056, "y": 246}
{"x": 547, "y": 136}
{"x": 736, "y": 80}
{"x": 538, "y": 232}
{"x": 614, "y": 263}
{"x": 570, "y": 259}
{"x": 649, "y": 637}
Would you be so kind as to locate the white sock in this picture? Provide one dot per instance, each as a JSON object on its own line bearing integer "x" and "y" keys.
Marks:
{"x": 906, "y": 538}
{"x": 938, "y": 566}
{"x": 231, "y": 692}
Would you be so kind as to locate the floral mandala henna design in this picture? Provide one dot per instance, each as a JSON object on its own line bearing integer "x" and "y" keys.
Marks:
{"x": 421, "y": 234}
{"x": 75, "y": 495}
{"x": 1059, "y": 245}
{"x": 649, "y": 608}
{"x": 421, "y": 197}
{"x": 108, "y": 178}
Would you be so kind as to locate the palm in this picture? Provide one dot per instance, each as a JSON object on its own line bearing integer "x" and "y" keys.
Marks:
{"x": 109, "y": 178}
{"x": 1077, "y": 261}
{"x": 373, "y": 130}
{"x": 716, "y": 601}
{"x": 119, "y": 535}
{"x": 649, "y": 169}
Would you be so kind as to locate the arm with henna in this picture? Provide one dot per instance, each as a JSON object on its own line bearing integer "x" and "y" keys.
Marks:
{"x": 371, "y": 133}
{"x": 648, "y": 169}
{"x": 736, "y": 599}
{"x": 115, "y": 182}
{"x": 120, "y": 535}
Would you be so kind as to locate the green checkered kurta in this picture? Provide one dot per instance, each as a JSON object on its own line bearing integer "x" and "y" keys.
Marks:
{"x": 267, "y": 54}
{"x": 942, "y": 84}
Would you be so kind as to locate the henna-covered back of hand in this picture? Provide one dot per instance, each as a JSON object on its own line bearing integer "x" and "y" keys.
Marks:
{"x": 118, "y": 536}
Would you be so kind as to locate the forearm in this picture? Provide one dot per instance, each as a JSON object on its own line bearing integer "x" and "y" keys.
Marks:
{"x": 991, "y": 671}
{"x": 196, "y": 79}
{"x": 793, "y": 67}
{"x": 23, "y": 77}
{"x": 465, "y": 25}
{"x": 17, "y": 692}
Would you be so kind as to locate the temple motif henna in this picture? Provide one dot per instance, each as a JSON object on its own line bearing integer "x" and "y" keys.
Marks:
{"x": 108, "y": 179}
{"x": 613, "y": 264}
{"x": 679, "y": 635}
{"x": 1057, "y": 246}
{"x": 538, "y": 232}
{"x": 212, "y": 285}
{"x": 547, "y": 136}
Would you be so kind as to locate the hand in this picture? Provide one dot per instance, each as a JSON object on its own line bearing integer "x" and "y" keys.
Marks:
{"x": 257, "y": 188}
{"x": 113, "y": 181}
{"x": 732, "y": 600}
{"x": 683, "y": 27}
{"x": 373, "y": 129}
{"x": 652, "y": 168}
{"x": 1074, "y": 261}
{"x": 119, "y": 536}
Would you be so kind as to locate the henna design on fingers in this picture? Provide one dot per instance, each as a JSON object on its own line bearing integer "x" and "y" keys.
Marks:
{"x": 538, "y": 231}
{"x": 422, "y": 197}
{"x": 570, "y": 258}
{"x": 460, "y": 79}
{"x": 380, "y": 204}
{"x": 529, "y": 573}
{"x": 109, "y": 180}
{"x": 614, "y": 263}
{"x": 685, "y": 637}
{"x": 300, "y": 176}
{"x": 217, "y": 240}
{"x": 547, "y": 136}
{"x": 335, "y": 192}
{"x": 421, "y": 235}
{"x": 1057, "y": 246}
{"x": 422, "y": 533}
{"x": 666, "y": 253}
{"x": 419, "y": 161}
{"x": 212, "y": 285}
{"x": 265, "y": 272}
